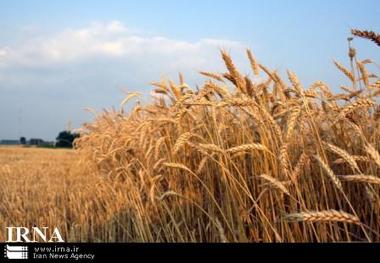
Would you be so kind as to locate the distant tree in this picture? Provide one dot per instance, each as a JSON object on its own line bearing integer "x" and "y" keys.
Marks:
{"x": 65, "y": 139}
{"x": 23, "y": 140}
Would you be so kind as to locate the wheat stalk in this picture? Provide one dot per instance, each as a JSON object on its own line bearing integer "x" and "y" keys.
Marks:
{"x": 157, "y": 146}
{"x": 345, "y": 155}
{"x": 221, "y": 231}
{"x": 373, "y": 153}
{"x": 177, "y": 166}
{"x": 240, "y": 84}
{"x": 248, "y": 147}
{"x": 211, "y": 147}
{"x": 202, "y": 164}
{"x": 284, "y": 158}
{"x": 355, "y": 157}
{"x": 361, "y": 103}
{"x": 212, "y": 75}
{"x": 330, "y": 173}
{"x": 364, "y": 73}
{"x": 323, "y": 216}
{"x": 292, "y": 121}
{"x": 360, "y": 178}
{"x": 181, "y": 141}
{"x": 367, "y": 34}
{"x": 275, "y": 183}
{"x": 128, "y": 98}
{"x": 345, "y": 71}
{"x": 254, "y": 65}
{"x": 295, "y": 82}
{"x": 302, "y": 162}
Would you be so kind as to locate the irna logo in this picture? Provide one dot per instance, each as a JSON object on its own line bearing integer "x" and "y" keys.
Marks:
{"x": 24, "y": 234}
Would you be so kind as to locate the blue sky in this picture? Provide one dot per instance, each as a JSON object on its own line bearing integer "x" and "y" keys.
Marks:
{"x": 58, "y": 57}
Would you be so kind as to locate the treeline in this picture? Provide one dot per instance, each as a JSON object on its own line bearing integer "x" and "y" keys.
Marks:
{"x": 65, "y": 139}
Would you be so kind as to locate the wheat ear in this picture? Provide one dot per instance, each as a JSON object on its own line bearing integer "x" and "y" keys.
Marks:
{"x": 370, "y": 179}
{"x": 330, "y": 173}
{"x": 373, "y": 153}
{"x": 276, "y": 183}
{"x": 345, "y": 71}
{"x": 324, "y": 216}
{"x": 367, "y": 34}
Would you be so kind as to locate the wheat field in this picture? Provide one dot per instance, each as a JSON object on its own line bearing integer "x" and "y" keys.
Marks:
{"x": 47, "y": 187}
{"x": 243, "y": 158}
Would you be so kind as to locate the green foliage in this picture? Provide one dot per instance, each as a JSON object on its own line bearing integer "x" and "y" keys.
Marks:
{"x": 65, "y": 139}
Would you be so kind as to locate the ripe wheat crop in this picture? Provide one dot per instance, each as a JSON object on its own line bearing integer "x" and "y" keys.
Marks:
{"x": 239, "y": 159}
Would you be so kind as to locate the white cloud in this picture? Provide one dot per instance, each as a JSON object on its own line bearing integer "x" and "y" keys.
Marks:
{"x": 109, "y": 40}
{"x": 54, "y": 76}
{"x": 3, "y": 56}
{"x": 3, "y": 52}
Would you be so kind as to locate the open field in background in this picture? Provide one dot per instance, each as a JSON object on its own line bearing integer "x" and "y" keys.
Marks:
{"x": 236, "y": 160}
{"x": 45, "y": 187}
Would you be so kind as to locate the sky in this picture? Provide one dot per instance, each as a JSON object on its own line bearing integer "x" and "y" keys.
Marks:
{"x": 59, "y": 57}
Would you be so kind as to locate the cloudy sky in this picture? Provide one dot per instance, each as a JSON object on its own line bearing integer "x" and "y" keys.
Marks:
{"x": 58, "y": 57}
